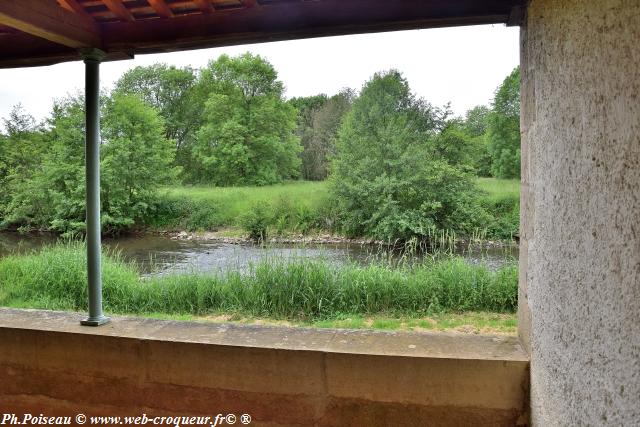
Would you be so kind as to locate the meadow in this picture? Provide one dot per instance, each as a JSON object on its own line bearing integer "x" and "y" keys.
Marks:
{"x": 300, "y": 207}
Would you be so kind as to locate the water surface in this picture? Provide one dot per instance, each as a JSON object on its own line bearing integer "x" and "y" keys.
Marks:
{"x": 159, "y": 255}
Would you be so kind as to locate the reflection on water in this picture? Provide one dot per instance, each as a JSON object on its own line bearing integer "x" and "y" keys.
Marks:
{"x": 158, "y": 255}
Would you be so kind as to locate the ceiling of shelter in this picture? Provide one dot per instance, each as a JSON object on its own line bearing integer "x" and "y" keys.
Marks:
{"x": 44, "y": 32}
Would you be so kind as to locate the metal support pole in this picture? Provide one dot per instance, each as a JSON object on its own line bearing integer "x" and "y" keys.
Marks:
{"x": 92, "y": 58}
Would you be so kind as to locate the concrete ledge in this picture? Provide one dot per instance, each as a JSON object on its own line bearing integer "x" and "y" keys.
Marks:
{"x": 280, "y": 376}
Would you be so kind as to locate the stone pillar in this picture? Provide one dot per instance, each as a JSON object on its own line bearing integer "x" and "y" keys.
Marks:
{"x": 580, "y": 239}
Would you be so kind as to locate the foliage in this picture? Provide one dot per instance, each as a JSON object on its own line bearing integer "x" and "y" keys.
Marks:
{"x": 247, "y": 137}
{"x": 256, "y": 221}
{"x": 170, "y": 90}
{"x": 476, "y": 121}
{"x": 475, "y": 124}
{"x": 135, "y": 159}
{"x": 391, "y": 179}
{"x": 305, "y": 106}
{"x": 456, "y": 146}
{"x": 295, "y": 207}
{"x": 504, "y": 128}
{"x": 21, "y": 152}
{"x": 319, "y": 118}
{"x": 167, "y": 89}
{"x": 55, "y": 278}
{"x": 304, "y": 207}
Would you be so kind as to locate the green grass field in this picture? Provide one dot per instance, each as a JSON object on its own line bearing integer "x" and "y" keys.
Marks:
{"x": 499, "y": 188}
{"x": 298, "y": 207}
{"x": 234, "y": 201}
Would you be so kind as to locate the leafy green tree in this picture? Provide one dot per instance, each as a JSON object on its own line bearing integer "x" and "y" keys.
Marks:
{"x": 390, "y": 179}
{"x": 21, "y": 152}
{"x": 170, "y": 90}
{"x": 476, "y": 121}
{"x": 456, "y": 146}
{"x": 135, "y": 159}
{"x": 504, "y": 128}
{"x": 167, "y": 89}
{"x": 325, "y": 122}
{"x": 247, "y": 137}
{"x": 475, "y": 125}
{"x": 306, "y": 106}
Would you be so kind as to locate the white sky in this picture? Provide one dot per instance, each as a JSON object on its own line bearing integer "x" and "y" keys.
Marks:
{"x": 463, "y": 65}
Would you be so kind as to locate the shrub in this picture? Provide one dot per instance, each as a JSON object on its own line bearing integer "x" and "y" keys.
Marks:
{"x": 392, "y": 178}
{"x": 256, "y": 221}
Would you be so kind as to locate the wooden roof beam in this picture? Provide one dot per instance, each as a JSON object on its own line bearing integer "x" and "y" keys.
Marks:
{"x": 161, "y": 8}
{"x": 118, "y": 9}
{"x": 47, "y": 20}
{"x": 75, "y": 7}
{"x": 204, "y": 5}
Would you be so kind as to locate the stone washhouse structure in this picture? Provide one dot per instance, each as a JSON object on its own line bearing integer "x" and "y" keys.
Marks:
{"x": 577, "y": 358}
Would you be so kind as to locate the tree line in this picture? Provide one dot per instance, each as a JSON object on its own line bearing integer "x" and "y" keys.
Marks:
{"x": 398, "y": 166}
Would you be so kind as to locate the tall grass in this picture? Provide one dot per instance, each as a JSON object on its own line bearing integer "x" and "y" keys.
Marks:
{"x": 55, "y": 278}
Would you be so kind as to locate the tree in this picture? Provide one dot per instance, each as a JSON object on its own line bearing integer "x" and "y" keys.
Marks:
{"x": 319, "y": 118}
{"x": 247, "y": 137}
{"x": 135, "y": 159}
{"x": 306, "y": 106}
{"x": 21, "y": 152}
{"x": 167, "y": 89}
{"x": 320, "y": 147}
{"x": 390, "y": 180}
{"x": 477, "y": 120}
{"x": 475, "y": 125}
{"x": 456, "y": 146}
{"x": 170, "y": 90}
{"x": 504, "y": 128}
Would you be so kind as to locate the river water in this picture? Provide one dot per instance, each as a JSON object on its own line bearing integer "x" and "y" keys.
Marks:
{"x": 159, "y": 255}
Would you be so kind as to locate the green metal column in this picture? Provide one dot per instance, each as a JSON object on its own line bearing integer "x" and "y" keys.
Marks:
{"x": 92, "y": 58}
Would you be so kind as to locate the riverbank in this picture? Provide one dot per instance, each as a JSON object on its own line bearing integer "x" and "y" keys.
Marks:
{"x": 236, "y": 236}
{"x": 307, "y": 291}
{"x": 300, "y": 210}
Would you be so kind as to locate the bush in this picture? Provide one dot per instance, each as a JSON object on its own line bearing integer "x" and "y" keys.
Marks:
{"x": 256, "y": 221}
{"x": 135, "y": 159}
{"x": 505, "y": 217}
{"x": 395, "y": 176}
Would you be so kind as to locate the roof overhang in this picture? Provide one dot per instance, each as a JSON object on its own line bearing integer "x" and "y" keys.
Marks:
{"x": 45, "y": 32}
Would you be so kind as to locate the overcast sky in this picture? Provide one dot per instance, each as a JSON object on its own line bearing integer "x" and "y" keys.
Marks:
{"x": 460, "y": 65}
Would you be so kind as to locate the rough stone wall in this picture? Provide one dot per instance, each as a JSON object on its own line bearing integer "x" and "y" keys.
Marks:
{"x": 580, "y": 254}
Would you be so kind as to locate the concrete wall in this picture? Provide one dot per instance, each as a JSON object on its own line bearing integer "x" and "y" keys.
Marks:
{"x": 280, "y": 376}
{"x": 580, "y": 252}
